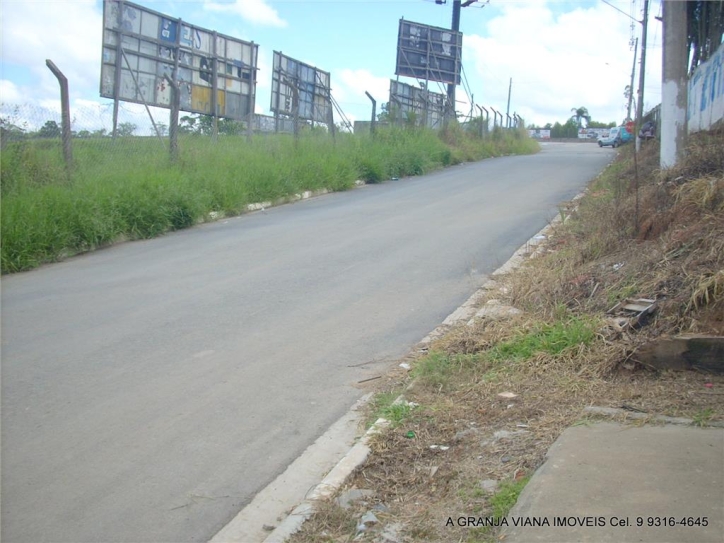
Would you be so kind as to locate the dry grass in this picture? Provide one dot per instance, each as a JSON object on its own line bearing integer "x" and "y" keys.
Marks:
{"x": 559, "y": 356}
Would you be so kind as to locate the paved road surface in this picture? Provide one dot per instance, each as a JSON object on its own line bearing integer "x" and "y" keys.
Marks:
{"x": 149, "y": 390}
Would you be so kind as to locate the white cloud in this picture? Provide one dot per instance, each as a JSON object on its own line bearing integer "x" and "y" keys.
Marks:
{"x": 579, "y": 58}
{"x": 350, "y": 86}
{"x": 10, "y": 92}
{"x": 68, "y": 33}
{"x": 254, "y": 11}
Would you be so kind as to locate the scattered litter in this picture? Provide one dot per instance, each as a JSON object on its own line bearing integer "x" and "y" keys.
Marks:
{"x": 405, "y": 366}
{"x": 539, "y": 236}
{"x": 268, "y": 528}
{"x": 519, "y": 474}
{"x": 709, "y": 385}
{"x": 347, "y": 498}
{"x": 618, "y": 266}
{"x": 367, "y": 520}
{"x": 433, "y": 471}
{"x": 410, "y": 434}
{"x": 395, "y": 179}
{"x": 370, "y": 379}
{"x": 505, "y": 459}
{"x": 444, "y": 447}
{"x": 639, "y": 307}
{"x": 433, "y": 447}
{"x": 521, "y": 426}
{"x": 413, "y": 405}
{"x": 510, "y": 405}
{"x": 380, "y": 507}
{"x": 508, "y": 395}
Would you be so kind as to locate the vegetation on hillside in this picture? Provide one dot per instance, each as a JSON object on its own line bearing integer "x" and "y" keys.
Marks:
{"x": 128, "y": 189}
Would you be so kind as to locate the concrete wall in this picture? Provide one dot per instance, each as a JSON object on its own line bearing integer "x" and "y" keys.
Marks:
{"x": 706, "y": 93}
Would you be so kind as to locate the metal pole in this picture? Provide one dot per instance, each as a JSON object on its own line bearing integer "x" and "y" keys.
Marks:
{"x": 510, "y": 88}
{"x": 143, "y": 100}
{"x": 480, "y": 108}
{"x": 214, "y": 91}
{"x": 117, "y": 72}
{"x": 173, "y": 118}
{"x": 374, "y": 112}
{"x": 674, "y": 96}
{"x": 65, "y": 113}
{"x": 630, "y": 89}
{"x": 642, "y": 73}
{"x": 451, "y": 86}
{"x": 495, "y": 117}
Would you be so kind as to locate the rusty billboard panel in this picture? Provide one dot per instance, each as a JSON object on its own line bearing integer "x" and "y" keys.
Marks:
{"x": 216, "y": 73}
{"x": 424, "y": 107}
{"x": 428, "y": 52}
{"x": 300, "y": 89}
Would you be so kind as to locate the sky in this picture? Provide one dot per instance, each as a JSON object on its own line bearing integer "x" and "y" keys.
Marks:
{"x": 559, "y": 54}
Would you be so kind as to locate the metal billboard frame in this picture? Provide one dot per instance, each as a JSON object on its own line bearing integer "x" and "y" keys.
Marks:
{"x": 143, "y": 51}
{"x": 428, "y": 106}
{"x": 429, "y": 53}
{"x": 301, "y": 91}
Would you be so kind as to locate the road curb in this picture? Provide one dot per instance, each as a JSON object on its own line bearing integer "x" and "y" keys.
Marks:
{"x": 358, "y": 454}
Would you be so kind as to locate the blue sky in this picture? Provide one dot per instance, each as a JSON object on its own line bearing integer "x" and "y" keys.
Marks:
{"x": 559, "y": 54}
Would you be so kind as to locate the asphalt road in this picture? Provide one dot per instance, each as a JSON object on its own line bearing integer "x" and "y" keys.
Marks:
{"x": 150, "y": 389}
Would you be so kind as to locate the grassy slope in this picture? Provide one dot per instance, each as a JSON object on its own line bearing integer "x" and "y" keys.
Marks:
{"x": 127, "y": 189}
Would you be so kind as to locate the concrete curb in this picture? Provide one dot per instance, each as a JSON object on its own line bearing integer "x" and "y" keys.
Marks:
{"x": 357, "y": 456}
{"x": 334, "y": 480}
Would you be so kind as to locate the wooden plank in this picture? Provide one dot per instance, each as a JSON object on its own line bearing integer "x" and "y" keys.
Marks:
{"x": 701, "y": 353}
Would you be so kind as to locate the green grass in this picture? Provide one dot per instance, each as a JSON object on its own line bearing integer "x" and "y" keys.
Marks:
{"x": 437, "y": 370}
{"x": 128, "y": 188}
{"x": 383, "y": 405}
{"x": 548, "y": 338}
{"x": 506, "y": 496}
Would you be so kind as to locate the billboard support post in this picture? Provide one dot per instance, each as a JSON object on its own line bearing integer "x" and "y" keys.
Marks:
{"x": 173, "y": 119}
{"x": 451, "y": 86}
{"x": 65, "y": 114}
{"x": 117, "y": 72}
{"x": 215, "y": 89}
{"x": 138, "y": 90}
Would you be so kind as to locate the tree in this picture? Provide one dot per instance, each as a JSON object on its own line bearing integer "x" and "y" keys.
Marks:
{"x": 162, "y": 129}
{"x": 705, "y": 21}
{"x": 126, "y": 129}
{"x": 49, "y": 130}
{"x": 580, "y": 113}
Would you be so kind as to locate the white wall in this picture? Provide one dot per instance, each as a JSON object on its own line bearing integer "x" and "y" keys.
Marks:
{"x": 706, "y": 93}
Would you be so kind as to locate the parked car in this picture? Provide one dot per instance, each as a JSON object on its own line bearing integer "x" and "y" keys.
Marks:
{"x": 616, "y": 136}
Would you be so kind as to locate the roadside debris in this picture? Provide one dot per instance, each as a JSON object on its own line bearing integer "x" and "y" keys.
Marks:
{"x": 631, "y": 313}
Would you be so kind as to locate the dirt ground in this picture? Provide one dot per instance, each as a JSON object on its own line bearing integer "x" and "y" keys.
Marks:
{"x": 483, "y": 403}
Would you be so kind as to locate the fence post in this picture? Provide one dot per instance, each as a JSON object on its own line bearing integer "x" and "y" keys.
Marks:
{"x": 374, "y": 112}
{"x": 65, "y": 113}
{"x": 173, "y": 119}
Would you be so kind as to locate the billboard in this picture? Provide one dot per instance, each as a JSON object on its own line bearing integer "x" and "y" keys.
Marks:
{"x": 215, "y": 73}
{"x": 428, "y": 107}
{"x": 300, "y": 89}
{"x": 428, "y": 52}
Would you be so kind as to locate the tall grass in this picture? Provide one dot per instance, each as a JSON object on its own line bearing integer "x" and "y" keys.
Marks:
{"x": 128, "y": 188}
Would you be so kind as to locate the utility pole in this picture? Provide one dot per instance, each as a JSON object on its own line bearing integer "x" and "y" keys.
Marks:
{"x": 630, "y": 89}
{"x": 674, "y": 90}
{"x": 642, "y": 73}
{"x": 510, "y": 87}
{"x": 451, "y": 86}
